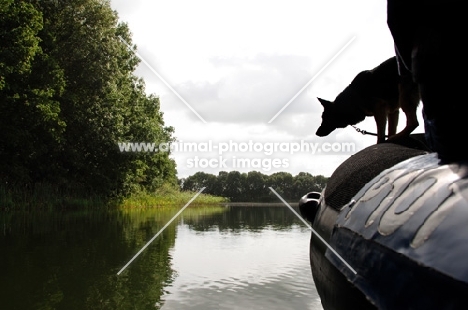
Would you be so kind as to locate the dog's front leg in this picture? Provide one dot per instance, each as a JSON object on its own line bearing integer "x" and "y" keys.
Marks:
{"x": 411, "y": 124}
{"x": 380, "y": 117}
{"x": 393, "y": 122}
{"x": 409, "y": 100}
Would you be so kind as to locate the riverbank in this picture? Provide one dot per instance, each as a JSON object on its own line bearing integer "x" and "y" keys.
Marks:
{"x": 49, "y": 197}
{"x": 167, "y": 196}
{"x": 258, "y": 204}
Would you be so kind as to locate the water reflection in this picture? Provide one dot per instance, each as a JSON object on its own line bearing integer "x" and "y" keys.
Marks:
{"x": 70, "y": 260}
{"x": 240, "y": 218}
{"x": 213, "y": 257}
{"x": 244, "y": 258}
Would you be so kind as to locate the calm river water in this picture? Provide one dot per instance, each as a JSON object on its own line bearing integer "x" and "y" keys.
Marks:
{"x": 211, "y": 257}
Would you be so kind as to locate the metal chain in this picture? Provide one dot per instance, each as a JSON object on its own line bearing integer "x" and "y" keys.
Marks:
{"x": 365, "y": 132}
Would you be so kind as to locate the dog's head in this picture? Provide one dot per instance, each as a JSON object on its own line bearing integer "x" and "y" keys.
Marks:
{"x": 332, "y": 118}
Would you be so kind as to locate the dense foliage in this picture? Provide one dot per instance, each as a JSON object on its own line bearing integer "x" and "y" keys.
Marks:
{"x": 254, "y": 186}
{"x": 68, "y": 95}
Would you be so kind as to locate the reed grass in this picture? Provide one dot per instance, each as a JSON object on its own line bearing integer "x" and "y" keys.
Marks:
{"x": 49, "y": 197}
{"x": 168, "y": 196}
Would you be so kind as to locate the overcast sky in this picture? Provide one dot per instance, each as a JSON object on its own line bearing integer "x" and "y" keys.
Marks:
{"x": 224, "y": 69}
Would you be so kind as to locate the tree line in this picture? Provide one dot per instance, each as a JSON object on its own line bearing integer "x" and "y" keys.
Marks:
{"x": 254, "y": 186}
{"x": 68, "y": 96}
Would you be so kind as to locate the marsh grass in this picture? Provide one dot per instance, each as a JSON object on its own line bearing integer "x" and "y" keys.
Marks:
{"x": 49, "y": 197}
{"x": 168, "y": 196}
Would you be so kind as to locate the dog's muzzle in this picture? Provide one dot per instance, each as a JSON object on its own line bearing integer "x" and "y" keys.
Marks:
{"x": 323, "y": 131}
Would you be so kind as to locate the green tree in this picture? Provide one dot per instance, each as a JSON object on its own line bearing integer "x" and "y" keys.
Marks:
{"x": 255, "y": 187}
{"x": 320, "y": 182}
{"x": 30, "y": 84}
{"x": 68, "y": 96}
{"x": 198, "y": 181}
{"x": 235, "y": 186}
{"x": 303, "y": 183}
{"x": 104, "y": 103}
{"x": 282, "y": 182}
{"x": 221, "y": 185}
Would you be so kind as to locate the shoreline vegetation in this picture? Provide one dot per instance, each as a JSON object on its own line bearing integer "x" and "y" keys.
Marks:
{"x": 169, "y": 196}
{"x": 46, "y": 197}
{"x": 227, "y": 189}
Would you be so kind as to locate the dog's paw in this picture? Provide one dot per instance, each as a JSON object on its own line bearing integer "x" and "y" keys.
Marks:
{"x": 398, "y": 139}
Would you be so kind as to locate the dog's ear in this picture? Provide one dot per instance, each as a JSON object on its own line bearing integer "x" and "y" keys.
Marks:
{"x": 324, "y": 102}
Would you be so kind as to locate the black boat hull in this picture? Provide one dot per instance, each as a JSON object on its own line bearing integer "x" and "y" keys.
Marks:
{"x": 404, "y": 234}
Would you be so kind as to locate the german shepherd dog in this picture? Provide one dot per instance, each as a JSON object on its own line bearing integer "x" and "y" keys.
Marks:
{"x": 379, "y": 92}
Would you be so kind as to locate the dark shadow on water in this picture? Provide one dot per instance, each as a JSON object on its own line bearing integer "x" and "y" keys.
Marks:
{"x": 70, "y": 260}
